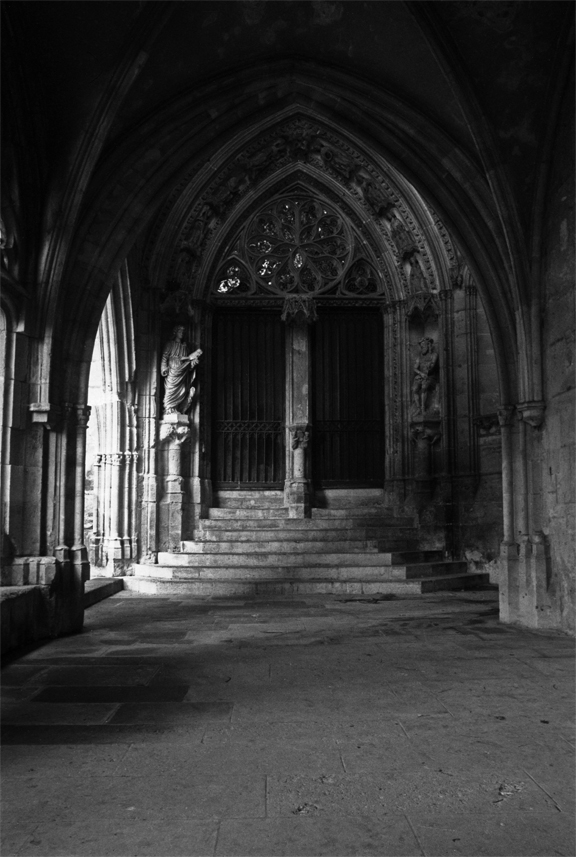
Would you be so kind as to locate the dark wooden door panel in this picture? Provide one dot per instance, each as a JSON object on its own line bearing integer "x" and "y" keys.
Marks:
{"x": 347, "y": 405}
{"x": 249, "y": 378}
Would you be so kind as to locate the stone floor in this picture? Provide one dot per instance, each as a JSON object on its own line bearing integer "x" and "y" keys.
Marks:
{"x": 318, "y": 727}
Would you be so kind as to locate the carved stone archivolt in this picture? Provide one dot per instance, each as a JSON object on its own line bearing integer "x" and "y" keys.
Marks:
{"x": 320, "y": 152}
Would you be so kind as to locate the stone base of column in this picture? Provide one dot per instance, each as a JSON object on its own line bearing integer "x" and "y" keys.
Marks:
{"x": 536, "y": 608}
{"x": 80, "y": 562}
{"x": 67, "y": 608}
{"x": 149, "y": 519}
{"x": 509, "y": 583}
{"x": 170, "y": 534}
{"x": 297, "y": 496}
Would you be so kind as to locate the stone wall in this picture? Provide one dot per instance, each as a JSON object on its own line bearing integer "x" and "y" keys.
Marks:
{"x": 556, "y": 472}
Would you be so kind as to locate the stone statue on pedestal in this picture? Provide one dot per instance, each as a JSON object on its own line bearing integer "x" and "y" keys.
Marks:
{"x": 178, "y": 370}
{"x": 425, "y": 376}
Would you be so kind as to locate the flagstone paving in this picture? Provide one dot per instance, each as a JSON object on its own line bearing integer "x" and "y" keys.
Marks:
{"x": 323, "y": 726}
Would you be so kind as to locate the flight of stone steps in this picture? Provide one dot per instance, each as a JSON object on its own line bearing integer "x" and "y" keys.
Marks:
{"x": 250, "y": 547}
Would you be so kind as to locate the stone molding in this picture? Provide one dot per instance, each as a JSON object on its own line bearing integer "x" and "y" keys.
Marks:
{"x": 532, "y": 412}
{"x": 506, "y": 415}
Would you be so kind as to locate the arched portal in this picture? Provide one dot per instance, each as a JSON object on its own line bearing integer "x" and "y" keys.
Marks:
{"x": 188, "y": 201}
{"x": 338, "y": 326}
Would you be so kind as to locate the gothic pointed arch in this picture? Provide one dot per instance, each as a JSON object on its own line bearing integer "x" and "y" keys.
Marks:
{"x": 186, "y": 152}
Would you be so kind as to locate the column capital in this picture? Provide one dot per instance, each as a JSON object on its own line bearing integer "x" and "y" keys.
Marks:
{"x": 445, "y": 295}
{"x": 83, "y": 415}
{"x": 506, "y": 415}
{"x": 298, "y": 307}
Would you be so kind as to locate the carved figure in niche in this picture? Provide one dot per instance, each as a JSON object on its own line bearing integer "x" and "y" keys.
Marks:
{"x": 376, "y": 199}
{"x": 425, "y": 375}
{"x": 417, "y": 282}
{"x": 401, "y": 237}
{"x": 178, "y": 370}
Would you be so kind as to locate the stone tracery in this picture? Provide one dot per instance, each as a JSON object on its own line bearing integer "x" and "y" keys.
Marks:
{"x": 381, "y": 203}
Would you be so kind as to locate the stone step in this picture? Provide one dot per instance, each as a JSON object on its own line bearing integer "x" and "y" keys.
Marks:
{"x": 292, "y": 535}
{"x": 342, "y": 499}
{"x": 368, "y": 512}
{"x": 253, "y": 522}
{"x": 275, "y": 512}
{"x": 248, "y": 499}
{"x": 246, "y": 588}
{"x": 265, "y": 560}
{"x": 398, "y": 548}
{"x": 280, "y": 546}
{"x": 303, "y": 572}
{"x": 99, "y": 588}
{"x": 389, "y": 554}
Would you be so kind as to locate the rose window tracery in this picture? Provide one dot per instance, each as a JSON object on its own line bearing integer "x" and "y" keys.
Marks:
{"x": 298, "y": 245}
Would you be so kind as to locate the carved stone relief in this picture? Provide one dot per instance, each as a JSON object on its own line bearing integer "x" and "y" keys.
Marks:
{"x": 303, "y": 141}
{"x": 425, "y": 380}
{"x": 299, "y": 306}
{"x": 178, "y": 370}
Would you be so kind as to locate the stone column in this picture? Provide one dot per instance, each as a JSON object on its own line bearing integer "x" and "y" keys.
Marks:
{"x": 174, "y": 431}
{"x": 113, "y": 541}
{"x": 95, "y": 547}
{"x": 534, "y": 600}
{"x": 79, "y": 552}
{"x": 473, "y": 387}
{"x": 298, "y": 312}
{"x": 200, "y": 487}
{"x": 508, "y": 584}
{"x": 131, "y": 530}
{"x": 396, "y": 381}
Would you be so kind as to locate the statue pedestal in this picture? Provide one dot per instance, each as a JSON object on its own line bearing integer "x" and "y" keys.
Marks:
{"x": 174, "y": 431}
{"x": 425, "y": 431}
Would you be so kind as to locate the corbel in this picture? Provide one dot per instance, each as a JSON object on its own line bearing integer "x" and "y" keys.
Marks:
{"x": 506, "y": 415}
{"x": 43, "y": 413}
{"x": 532, "y": 412}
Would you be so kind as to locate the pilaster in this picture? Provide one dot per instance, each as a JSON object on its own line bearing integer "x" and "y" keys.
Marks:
{"x": 297, "y": 487}
{"x": 174, "y": 432}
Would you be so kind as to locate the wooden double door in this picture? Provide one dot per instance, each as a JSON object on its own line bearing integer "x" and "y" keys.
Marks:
{"x": 346, "y": 399}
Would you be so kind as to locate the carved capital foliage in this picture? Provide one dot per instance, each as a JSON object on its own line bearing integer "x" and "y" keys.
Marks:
{"x": 423, "y": 304}
{"x": 532, "y": 413}
{"x": 177, "y": 432}
{"x": 82, "y": 415}
{"x": 299, "y": 307}
{"x": 506, "y": 415}
{"x": 487, "y": 424}
{"x": 445, "y": 296}
{"x": 426, "y": 430}
{"x": 300, "y": 436}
